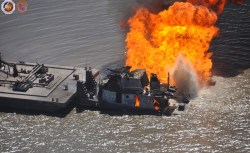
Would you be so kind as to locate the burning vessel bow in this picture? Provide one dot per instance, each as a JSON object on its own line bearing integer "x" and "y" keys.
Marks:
{"x": 122, "y": 89}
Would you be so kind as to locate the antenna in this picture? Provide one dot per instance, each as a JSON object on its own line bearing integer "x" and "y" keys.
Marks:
{"x": 85, "y": 65}
{"x": 168, "y": 80}
{"x": 86, "y": 62}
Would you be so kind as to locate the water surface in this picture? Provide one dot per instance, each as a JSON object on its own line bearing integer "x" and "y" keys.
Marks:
{"x": 87, "y": 32}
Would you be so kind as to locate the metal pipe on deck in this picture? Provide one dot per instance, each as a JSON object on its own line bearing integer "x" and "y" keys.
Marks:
{"x": 34, "y": 70}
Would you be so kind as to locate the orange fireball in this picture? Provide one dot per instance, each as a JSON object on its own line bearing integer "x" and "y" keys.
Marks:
{"x": 156, "y": 40}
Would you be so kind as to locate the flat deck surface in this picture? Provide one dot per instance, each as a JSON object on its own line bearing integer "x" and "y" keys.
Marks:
{"x": 55, "y": 90}
{"x": 60, "y": 74}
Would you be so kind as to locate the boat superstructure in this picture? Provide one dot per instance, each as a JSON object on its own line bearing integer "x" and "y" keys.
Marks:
{"x": 132, "y": 90}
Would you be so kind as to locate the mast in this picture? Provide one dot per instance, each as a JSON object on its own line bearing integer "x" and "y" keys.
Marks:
{"x": 168, "y": 80}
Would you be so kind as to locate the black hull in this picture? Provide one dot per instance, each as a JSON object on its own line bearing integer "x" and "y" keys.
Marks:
{"x": 113, "y": 109}
{"x": 33, "y": 105}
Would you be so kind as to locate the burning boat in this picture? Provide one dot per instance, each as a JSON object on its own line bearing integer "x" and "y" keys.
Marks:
{"x": 123, "y": 89}
{"x": 34, "y": 86}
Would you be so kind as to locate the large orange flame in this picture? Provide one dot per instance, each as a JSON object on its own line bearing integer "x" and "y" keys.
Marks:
{"x": 185, "y": 29}
{"x": 156, "y": 40}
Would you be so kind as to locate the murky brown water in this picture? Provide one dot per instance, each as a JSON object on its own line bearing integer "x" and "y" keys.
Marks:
{"x": 78, "y": 32}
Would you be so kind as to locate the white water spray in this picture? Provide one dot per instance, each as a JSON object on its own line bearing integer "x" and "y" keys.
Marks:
{"x": 185, "y": 77}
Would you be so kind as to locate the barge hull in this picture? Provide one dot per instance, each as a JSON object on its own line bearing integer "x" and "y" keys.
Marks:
{"x": 33, "y": 105}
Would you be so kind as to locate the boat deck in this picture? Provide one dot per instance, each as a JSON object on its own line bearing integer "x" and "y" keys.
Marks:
{"x": 54, "y": 94}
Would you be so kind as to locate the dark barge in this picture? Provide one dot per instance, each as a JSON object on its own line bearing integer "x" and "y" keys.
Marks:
{"x": 38, "y": 87}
